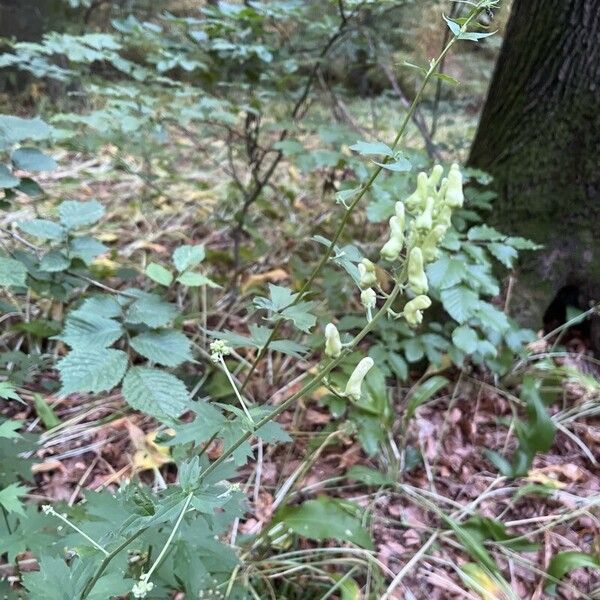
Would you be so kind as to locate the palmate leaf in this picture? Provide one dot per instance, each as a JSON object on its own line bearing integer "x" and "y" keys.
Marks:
{"x": 58, "y": 581}
{"x": 155, "y": 392}
{"x": 97, "y": 370}
{"x": 10, "y": 498}
{"x": 168, "y": 348}
{"x": 326, "y": 518}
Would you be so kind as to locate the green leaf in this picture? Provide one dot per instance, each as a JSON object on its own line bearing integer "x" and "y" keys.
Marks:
{"x": 156, "y": 393}
{"x": 86, "y": 248}
{"x": 369, "y": 148}
{"x": 168, "y": 348}
{"x": 8, "y": 429}
{"x": 15, "y": 129}
{"x": 369, "y": 476}
{"x": 504, "y": 253}
{"x": 44, "y": 412}
{"x": 75, "y": 214}
{"x": 7, "y": 179}
{"x": 484, "y": 233}
{"x": 196, "y": 280}
{"x": 9, "y": 498}
{"x": 31, "y": 159}
{"x": 151, "y": 310}
{"x": 159, "y": 274}
{"x": 465, "y": 339}
{"x": 446, "y": 272}
{"x": 491, "y": 317}
{"x": 42, "y": 228}
{"x": 187, "y": 257}
{"x": 54, "y": 261}
{"x": 8, "y": 391}
{"x": 326, "y": 518}
{"x": 564, "y": 562}
{"x": 398, "y": 165}
{"x": 97, "y": 370}
{"x": 459, "y": 302}
{"x": 86, "y": 330}
{"x": 30, "y": 187}
{"x": 12, "y": 273}
{"x": 424, "y": 392}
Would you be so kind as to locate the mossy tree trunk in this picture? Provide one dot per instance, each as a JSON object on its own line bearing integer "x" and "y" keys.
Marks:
{"x": 539, "y": 136}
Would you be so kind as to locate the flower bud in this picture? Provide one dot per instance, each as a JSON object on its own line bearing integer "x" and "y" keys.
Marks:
{"x": 400, "y": 213}
{"x": 434, "y": 178}
{"x": 333, "y": 344}
{"x": 368, "y": 277}
{"x": 454, "y": 193}
{"x": 392, "y": 248}
{"x": 417, "y": 280}
{"x": 417, "y": 199}
{"x": 368, "y": 298}
{"x": 425, "y": 220}
{"x": 430, "y": 244}
{"x": 413, "y": 310}
{"x": 354, "y": 385}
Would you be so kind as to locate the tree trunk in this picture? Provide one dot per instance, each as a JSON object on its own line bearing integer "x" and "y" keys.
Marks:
{"x": 539, "y": 136}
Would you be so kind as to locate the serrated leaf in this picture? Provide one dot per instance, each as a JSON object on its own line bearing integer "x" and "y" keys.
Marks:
{"x": 102, "y": 306}
{"x": 564, "y": 562}
{"x": 10, "y": 498}
{"x": 192, "y": 279}
{"x": 187, "y": 257}
{"x": 87, "y": 330}
{"x": 504, "y": 253}
{"x": 168, "y": 348}
{"x": 369, "y": 148}
{"x": 42, "y": 228}
{"x": 446, "y": 272}
{"x": 54, "y": 261}
{"x": 12, "y": 272}
{"x": 151, "y": 310}
{"x": 8, "y": 428}
{"x": 465, "y": 339}
{"x": 75, "y": 214}
{"x": 97, "y": 370}
{"x": 31, "y": 159}
{"x": 459, "y": 302}
{"x": 86, "y": 248}
{"x": 398, "y": 165}
{"x": 484, "y": 233}
{"x": 159, "y": 274}
{"x": 491, "y": 317}
{"x": 326, "y": 518}
{"x": 155, "y": 392}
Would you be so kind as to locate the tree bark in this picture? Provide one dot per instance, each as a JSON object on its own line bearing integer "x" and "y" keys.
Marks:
{"x": 539, "y": 136}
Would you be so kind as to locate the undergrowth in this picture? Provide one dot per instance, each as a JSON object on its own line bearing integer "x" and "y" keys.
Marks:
{"x": 115, "y": 315}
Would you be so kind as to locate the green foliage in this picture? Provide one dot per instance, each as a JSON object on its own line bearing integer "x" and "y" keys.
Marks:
{"x": 237, "y": 80}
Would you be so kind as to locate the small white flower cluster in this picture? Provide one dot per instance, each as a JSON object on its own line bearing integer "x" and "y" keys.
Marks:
{"x": 142, "y": 587}
{"x": 211, "y": 593}
{"x": 219, "y": 349}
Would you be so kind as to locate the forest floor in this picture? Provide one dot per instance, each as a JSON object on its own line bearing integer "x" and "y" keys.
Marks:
{"x": 100, "y": 443}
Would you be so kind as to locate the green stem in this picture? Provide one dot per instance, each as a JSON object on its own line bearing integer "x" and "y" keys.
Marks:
{"x": 363, "y": 190}
{"x": 104, "y": 564}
